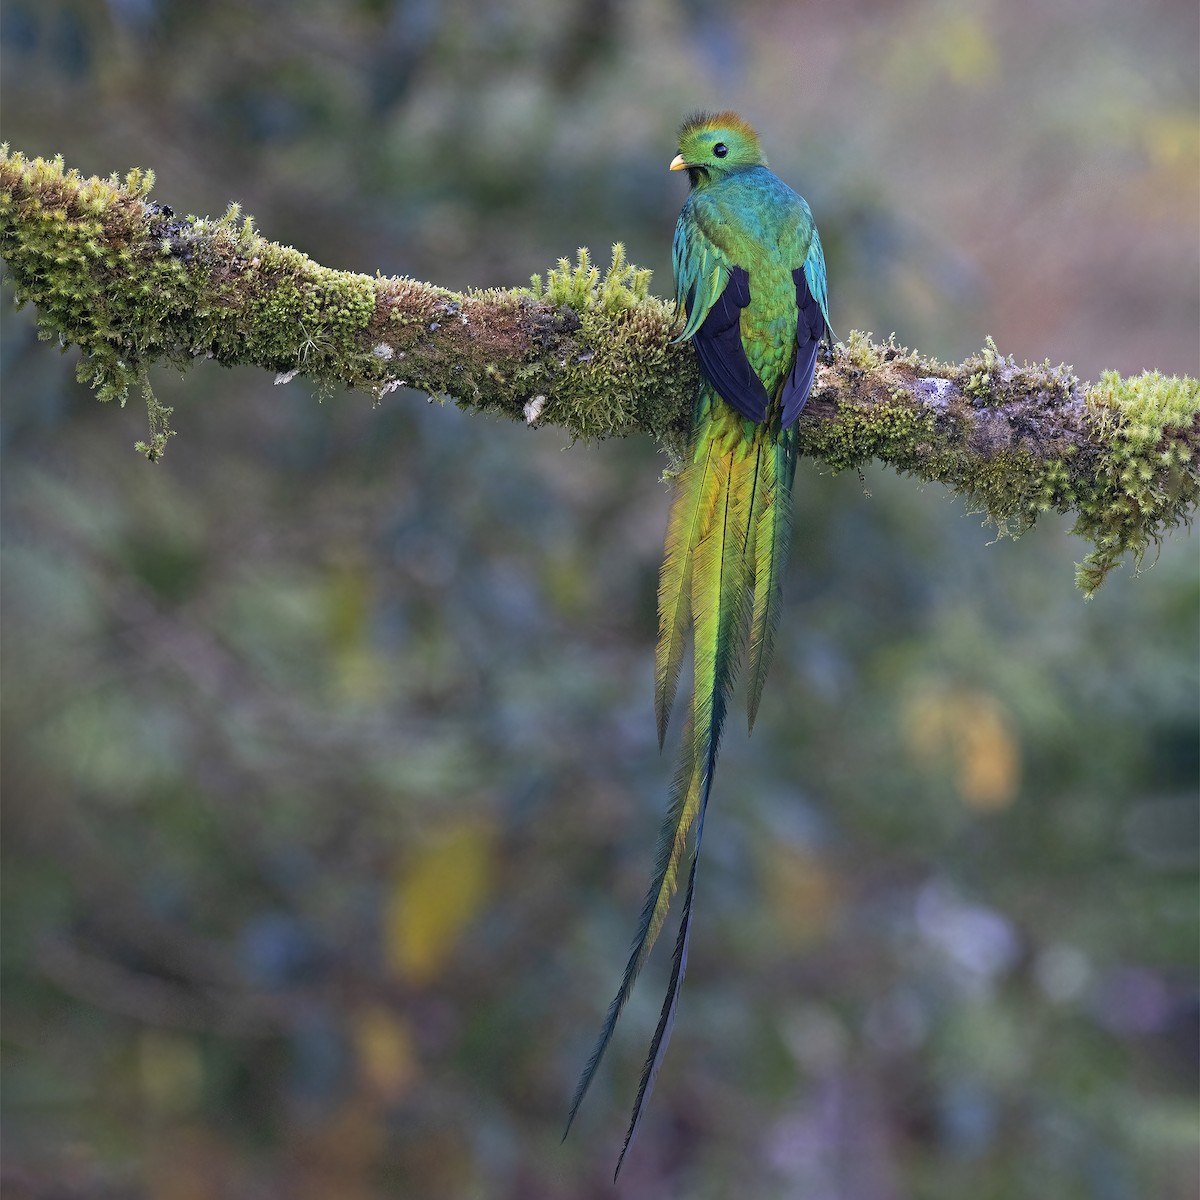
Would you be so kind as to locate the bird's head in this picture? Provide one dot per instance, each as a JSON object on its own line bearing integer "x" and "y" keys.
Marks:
{"x": 713, "y": 145}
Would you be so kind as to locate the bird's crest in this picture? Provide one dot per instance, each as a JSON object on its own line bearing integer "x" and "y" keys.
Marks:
{"x": 726, "y": 120}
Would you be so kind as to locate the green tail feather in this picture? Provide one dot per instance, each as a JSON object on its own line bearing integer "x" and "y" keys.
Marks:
{"x": 710, "y": 564}
{"x": 699, "y": 510}
{"x": 771, "y": 538}
{"x": 671, "y": 837}
{"x": 666, "y": 1018}
{"x": 692, "y": 510}
{"x": 719, "y": 593}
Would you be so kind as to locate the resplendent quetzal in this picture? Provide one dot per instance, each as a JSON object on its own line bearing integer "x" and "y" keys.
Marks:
{"x": 750, "y": 281}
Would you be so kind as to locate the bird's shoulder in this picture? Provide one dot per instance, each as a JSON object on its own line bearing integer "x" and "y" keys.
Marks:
{"x": 750, "y": 207}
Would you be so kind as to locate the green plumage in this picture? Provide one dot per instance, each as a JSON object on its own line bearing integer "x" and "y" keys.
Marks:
{"x": 750, "y": 283}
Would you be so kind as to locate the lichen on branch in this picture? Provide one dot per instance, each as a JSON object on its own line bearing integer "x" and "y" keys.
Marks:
{"x": 132, "y": 284}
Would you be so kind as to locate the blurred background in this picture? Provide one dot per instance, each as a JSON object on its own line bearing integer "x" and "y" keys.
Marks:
{"x": 330, "y": 777}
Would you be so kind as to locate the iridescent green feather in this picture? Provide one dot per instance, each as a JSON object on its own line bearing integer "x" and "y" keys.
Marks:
{"x": 706, "y": 544}
{"x": 692, "y": 509}
{"x": 771, "y": 537}
{"x": 720, "y": 612}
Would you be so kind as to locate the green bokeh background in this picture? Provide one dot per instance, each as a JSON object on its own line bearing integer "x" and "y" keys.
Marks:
{"x": 330, "y": 780}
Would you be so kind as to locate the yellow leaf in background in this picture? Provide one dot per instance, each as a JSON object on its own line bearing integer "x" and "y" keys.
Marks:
{"x": 966, "y": 51}
{"x": 387, "y": 1059}
{"x": 170, "y": 1071}
{"x": 1166, "y": 190}
{"x": 348, "y": 603}
{"x": 802, "y": 890}
{"x": 969, "y": 733}
{"x": 988, "y": 756}
{"x": 1172, "y": 140}
{"x": 360, "y": 671}
{"x": 924, "y": 52}
{"x": 434, "y": 896}
{"x": 565, "y": 579}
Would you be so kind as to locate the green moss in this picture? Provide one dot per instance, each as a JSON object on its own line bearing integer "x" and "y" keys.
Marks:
{"x": 1134, "y": 477}
{"x": 614, "y": 386}
{"x": 1145, "y": 481}
{"x": 861, "y": 352}
{"x": 581, "y": 286}
{"x": 72, "y": 246}
{"x": 303, "y": 315}
{"x": 886, "y": 431}
{"x": 159, "y": 417}
{"x": 993, "y": 379}
{"x": 131, "y": 284}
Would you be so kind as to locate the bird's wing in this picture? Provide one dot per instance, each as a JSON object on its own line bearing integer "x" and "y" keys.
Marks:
{"x": 812, "y": 325}
{"x": 712, "y": 291}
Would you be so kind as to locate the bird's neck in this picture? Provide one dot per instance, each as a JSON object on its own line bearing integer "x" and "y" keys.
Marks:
{"x": 703, "y": 177}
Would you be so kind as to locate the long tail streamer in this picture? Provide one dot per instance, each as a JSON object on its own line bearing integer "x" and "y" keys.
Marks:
{"x": 726, "y": 549}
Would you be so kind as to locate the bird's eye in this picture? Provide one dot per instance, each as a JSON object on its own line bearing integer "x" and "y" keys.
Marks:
{"x": 720, "y": 150}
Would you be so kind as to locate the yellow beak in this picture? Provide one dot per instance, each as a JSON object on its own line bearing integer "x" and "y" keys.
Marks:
{"x": 677, "y": 163}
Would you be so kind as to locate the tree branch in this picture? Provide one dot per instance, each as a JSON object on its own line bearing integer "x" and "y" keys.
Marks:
{"x": 132, "y": 284}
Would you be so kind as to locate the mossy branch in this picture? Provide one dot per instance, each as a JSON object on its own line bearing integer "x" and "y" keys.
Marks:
{"x": 132, "y": 284}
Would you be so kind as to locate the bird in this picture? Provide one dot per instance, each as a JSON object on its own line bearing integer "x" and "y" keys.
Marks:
{"x": 751, "y": 292}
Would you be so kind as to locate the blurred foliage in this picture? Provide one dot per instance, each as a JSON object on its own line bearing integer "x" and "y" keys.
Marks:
{"x": 330, "y": 777}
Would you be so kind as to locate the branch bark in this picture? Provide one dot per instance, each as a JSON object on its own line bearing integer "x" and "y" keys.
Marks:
{"x": 132, "y": 284}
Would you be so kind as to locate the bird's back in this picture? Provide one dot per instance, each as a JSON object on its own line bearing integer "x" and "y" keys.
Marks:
{"x": 761, "y": 224}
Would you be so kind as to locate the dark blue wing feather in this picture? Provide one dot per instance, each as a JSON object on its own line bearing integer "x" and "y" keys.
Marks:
{"x": 810, "y": 329}
{"x": 722, "y": 356}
